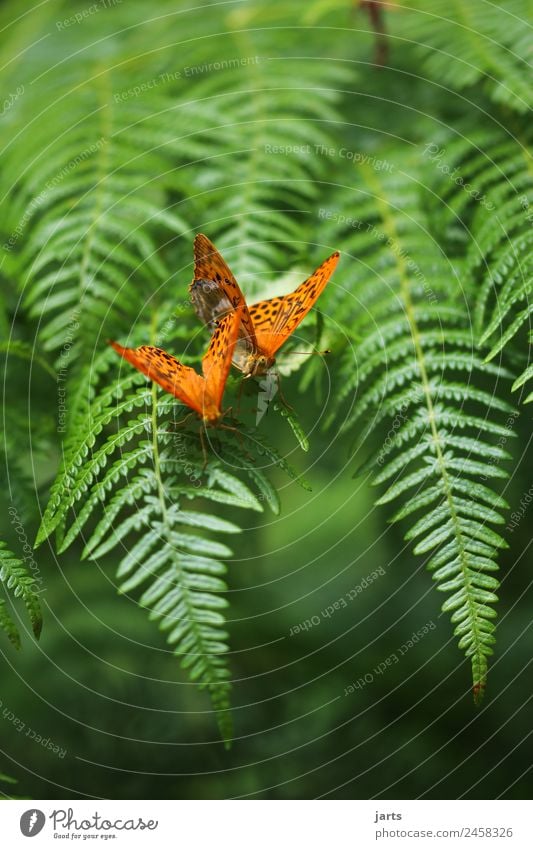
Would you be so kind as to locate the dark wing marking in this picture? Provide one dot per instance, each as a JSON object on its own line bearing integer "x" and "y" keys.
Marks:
{"x": 216, "y": 362}
{"x": 214, "y": 292}
{"x": 179, "y": 380}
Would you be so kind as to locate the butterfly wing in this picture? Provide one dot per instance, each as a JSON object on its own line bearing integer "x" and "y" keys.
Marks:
{"x": 216, "y": 362}
{"x": 181, "y": 381}
{"x": 214, "y": 292}
{"x": 274, "y": 320}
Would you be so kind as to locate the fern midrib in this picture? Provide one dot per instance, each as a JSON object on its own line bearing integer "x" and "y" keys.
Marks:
{"x": 258, "y": 124}
{"x": 166, "y": 524}
{"x": 405, "y": 289}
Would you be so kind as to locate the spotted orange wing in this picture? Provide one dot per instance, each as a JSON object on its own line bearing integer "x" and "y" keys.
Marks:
{"x": 203, "y": 394}
{"x": 179, "y": 380}
{"x": 214, "y": 292}
{"x": 216, "y": 362}
{"x": 274, "y": 320}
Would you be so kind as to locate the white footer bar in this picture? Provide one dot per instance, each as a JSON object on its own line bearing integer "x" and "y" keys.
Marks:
{"x": 267, "y": 824}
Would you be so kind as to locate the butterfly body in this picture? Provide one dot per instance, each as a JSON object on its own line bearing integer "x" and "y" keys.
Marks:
{"x": 264, "y": 326}
{"x": 201, "y": 392}
{"x": 257, "y": 364}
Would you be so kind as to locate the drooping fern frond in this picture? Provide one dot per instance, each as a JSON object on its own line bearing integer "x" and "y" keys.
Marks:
{"x": 415, "y": 377}
{"x": 16, "y": 578}
{"x": 135, "y": 484}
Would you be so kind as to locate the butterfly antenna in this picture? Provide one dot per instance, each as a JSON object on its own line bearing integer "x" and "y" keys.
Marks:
{"x": 309, "y": 353}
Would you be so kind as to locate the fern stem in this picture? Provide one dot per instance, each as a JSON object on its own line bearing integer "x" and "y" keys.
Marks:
{"x": 258, "y": 125}
{"x": 102, "y": 171}
{"x": 479, "y": 664}
{"x": 220, "y": 708}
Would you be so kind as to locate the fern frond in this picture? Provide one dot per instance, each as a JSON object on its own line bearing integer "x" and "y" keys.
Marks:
{"x": 254, "y": 194}
{"x": 16, "y": 578}
{"x": 93, "y": 224}
{"x": 137, "y": 478}
{"x": 471, "y": 42}
{"x": 417, "y": 368}
{"x": 26, "y": 442}
{"x": 497, "y": 166}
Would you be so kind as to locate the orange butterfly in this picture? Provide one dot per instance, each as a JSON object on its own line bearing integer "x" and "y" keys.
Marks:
{"x": 202, "y": 393}
{"x": 264, "y": 326}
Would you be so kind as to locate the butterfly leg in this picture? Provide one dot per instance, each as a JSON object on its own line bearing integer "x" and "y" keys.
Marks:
{"x": 281, "y": 395}
{"x": 202, "y": 443}
{"x": 184, "y": 420}
{"x": 238, "y": 434}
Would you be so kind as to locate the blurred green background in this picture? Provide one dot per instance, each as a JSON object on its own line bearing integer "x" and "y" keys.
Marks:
{"x": 101, "y": 684}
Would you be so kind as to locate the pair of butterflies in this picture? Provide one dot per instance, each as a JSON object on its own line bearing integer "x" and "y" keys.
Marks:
{"x": 247, "y": 336}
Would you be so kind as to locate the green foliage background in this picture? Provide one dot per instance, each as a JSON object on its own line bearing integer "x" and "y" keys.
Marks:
{"x": 126, "y": 130}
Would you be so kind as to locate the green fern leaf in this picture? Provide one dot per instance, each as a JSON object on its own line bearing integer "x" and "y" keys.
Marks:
{"x": 15, "y": 578}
